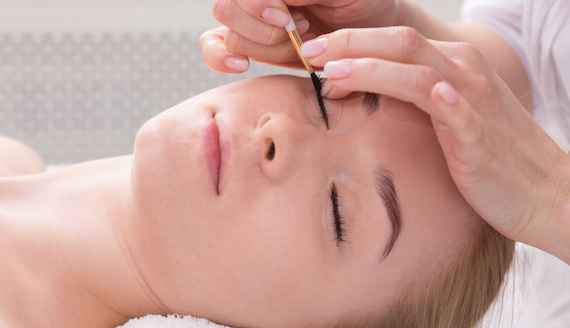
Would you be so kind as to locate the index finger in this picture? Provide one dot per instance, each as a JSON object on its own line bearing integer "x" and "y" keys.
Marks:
{"x": 397, "y": 44}
{"x": 274, "y": 12}
{"x": 265, "y": 28}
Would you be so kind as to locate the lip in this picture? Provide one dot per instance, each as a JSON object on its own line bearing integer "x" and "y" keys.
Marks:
{"x": 212, "y": 153}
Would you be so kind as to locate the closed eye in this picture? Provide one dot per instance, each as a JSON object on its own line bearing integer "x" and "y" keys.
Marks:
{"x": 338, "y": 221}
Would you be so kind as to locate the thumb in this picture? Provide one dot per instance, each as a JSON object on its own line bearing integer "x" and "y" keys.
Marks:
{"x": 217, "y": 57}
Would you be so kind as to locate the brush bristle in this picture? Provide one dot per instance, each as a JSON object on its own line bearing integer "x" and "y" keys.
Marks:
{"x": 317, "y": 82}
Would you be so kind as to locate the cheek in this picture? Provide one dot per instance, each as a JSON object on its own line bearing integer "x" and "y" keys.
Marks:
{"x": 263, "y": 253}
{"x": 170, "y": 195}
{"x": 278, "y": 228}
{"x": 276, "y": 244}
{"x": 168, "y": 172}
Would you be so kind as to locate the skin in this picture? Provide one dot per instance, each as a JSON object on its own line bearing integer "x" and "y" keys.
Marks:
{"x": 505, "y": 165}
{"x": 252, "y": 33}
{"x": 18, "y": 159}
{"x": 130, "y": 236}
{"x": 470, "y": 81}
{"x": 248, "y": 34}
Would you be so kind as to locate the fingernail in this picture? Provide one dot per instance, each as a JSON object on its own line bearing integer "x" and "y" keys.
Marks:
{"x": 448, "y": 93}
{"x": 303, "y": 26}
{"x": 314, "y": 48}
{"x": 326, "y": 89}
{"x": 236, "y": 63}
{"x": 339, "y": 69}
{"x": 275, "y": 16}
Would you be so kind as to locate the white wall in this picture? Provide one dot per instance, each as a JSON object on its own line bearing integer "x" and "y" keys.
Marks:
{"x": 105, "y": 15}
{"x": 445, "y": 9}
{"x": 132, "y": 15}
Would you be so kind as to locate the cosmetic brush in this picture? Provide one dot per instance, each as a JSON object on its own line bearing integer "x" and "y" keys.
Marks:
{"x": 291, "y": 29}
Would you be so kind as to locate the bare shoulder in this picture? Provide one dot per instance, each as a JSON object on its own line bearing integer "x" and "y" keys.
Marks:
{"x": 16, "y": 158}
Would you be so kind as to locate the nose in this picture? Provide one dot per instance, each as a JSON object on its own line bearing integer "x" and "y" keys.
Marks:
{"x": 280, "y": 141}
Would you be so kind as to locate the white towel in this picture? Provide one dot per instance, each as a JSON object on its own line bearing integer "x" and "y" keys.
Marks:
{"x": 172, "y": 321}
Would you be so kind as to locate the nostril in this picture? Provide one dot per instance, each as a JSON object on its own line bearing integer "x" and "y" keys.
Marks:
{"x": 271, "y": 153}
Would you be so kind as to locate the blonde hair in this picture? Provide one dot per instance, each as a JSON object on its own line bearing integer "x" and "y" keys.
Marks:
{"x": 457, "y": 296}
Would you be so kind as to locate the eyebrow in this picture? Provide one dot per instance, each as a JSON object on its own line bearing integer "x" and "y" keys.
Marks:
{"x": 370, "y": 103}
{"x": 387, "y": 191}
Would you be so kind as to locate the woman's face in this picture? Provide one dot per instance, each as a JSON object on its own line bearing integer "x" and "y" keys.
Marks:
{"x": 297, "y": 225}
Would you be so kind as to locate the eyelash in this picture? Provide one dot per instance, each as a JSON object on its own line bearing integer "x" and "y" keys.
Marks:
{"x": 321, "y": 104}
{"x": 338, "y": 221}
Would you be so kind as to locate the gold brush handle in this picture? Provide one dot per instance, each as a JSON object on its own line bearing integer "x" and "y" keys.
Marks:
{"x": 297, "y": 42}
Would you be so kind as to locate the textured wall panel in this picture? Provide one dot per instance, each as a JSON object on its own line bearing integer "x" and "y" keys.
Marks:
{"x": 80, "y": 97}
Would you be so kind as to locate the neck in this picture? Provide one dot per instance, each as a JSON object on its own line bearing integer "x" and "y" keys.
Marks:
{"x": 63, "y": 252}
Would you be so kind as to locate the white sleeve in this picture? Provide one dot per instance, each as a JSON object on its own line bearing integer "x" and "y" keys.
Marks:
{"x": 538, "y": 31}
{"x": 503, "y": 16}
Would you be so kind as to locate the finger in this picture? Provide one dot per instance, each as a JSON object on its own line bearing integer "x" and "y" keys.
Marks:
{"x": 460, "y": 130}
{"x": 462, "y": 52}
{"x": 217, "y": 56}
{"x": 253, "y": 27}
{"x": 274, "y": 12}
{"x": 397, "y": 44}
{"x": 332, "y": 92}
{"x": 411, "y": 83}
{"x": 297, "y": 65}
{"x": 280, "y": 53}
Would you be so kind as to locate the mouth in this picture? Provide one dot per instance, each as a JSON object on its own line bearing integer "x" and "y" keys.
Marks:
{"x": 212, "y": 153}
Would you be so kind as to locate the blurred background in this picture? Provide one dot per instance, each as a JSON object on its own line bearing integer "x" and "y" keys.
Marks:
{"x": 79, "y": 77}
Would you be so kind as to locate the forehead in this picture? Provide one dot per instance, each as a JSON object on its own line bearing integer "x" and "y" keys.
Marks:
{"x": 437, "y": 222}
{"x": 267, "y": 88}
